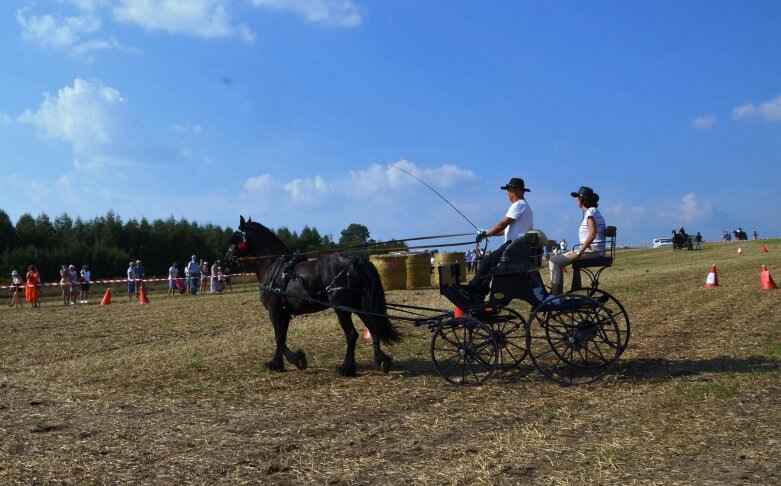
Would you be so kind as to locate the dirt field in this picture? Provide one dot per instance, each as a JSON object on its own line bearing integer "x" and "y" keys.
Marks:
{"x": 176, "y": 392}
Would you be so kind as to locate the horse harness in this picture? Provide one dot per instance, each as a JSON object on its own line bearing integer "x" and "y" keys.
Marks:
{"x": 286, "y": 269}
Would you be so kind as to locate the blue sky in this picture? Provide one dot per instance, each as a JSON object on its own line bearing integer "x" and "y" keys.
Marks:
{"x": 292, "y": 112}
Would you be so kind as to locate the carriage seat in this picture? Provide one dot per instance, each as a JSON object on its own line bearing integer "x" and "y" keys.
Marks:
{"x": 524, "y": 254}
{"x": 603, "y": 261}
{"x": 600, "y": 263}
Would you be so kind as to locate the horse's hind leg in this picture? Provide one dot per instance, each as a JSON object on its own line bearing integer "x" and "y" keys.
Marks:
{"x": 382, "y": 360}
{"x": 351, "y": 336}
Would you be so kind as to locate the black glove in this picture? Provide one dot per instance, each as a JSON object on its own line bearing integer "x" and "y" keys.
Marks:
{"x": 480, "y": 236}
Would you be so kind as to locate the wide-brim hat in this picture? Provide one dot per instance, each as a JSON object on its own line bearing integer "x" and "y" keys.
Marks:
{"x": 517, "y": 184}
{"x": 586, "y": 193}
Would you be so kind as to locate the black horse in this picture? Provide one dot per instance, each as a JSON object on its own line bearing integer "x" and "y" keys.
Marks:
{"x": 293, "y": 285}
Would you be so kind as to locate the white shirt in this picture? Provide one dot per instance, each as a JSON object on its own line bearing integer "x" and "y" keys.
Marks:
{"x": 173, "y": 273}
{"x": 598, "y": 244}
{"x": 521, "y": 212}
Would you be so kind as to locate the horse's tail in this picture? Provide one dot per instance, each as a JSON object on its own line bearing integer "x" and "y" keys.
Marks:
{"x": 373, "y": 300}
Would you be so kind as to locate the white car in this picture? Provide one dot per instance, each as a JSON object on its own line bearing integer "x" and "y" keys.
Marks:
{"x": 660, "y": 242}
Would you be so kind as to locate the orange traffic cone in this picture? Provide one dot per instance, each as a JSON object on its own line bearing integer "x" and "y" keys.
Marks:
{"x": 142, "y": 298}
{"x": 767, "y": 280}
{"x": 713, "y": 278}
{"x": 366, "y": 334}
{"x": 457, "y": 312}
{"x": 764, "y": 249}
{"x": 106, "y": 298}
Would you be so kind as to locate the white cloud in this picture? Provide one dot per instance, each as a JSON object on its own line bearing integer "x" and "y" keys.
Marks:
{"x": 96, "y": 120}
{"x": 692, "y": 209}
{"x": 83, "y": 114}
{"x": 704, "y": 122}
{"x": 767, "y": 110}
{"x": 56, "y": 31}
{"x": 331, "y": 13}
{"x": 193, "y": 129}
{"x": 308, "y": 189}
{"x": 202, "y": 18}
{"x": 262, "y": 183}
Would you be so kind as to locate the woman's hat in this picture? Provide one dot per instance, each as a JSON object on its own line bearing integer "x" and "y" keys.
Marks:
{"x": 14, "y": 273}
{"x": 586, "y": 193}
{"x": 515, "y": 183}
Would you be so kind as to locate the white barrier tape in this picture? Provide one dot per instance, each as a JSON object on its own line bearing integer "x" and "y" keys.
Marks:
{"x": 123, "y": 280}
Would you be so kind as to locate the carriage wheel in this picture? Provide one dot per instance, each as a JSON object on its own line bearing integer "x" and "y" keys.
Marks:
{"x": 509, "y": 330}
{"x": 464, "y": 351}
{"x": 573, "y": 342}
{"x": 619, "y": 314}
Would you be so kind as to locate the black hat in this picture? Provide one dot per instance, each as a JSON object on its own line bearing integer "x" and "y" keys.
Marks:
{"x": 515, "y": 183}
{"x": 586, "y": 193}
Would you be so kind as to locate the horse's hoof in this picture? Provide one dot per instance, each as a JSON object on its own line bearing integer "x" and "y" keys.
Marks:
{"x": 385, "y": 365}
{"x": 272, "y": 366}
{"x": 301, "y": 363}
{"x": 346, "y": 371}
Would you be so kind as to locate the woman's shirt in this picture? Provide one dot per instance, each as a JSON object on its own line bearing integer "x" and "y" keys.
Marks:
{"x": 598, "y": 244}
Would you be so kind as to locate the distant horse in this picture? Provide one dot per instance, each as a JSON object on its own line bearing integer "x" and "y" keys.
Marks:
{"x": 292, "y": 285}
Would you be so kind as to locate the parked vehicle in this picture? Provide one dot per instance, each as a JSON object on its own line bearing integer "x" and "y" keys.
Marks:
{"x": 660, "y": 242}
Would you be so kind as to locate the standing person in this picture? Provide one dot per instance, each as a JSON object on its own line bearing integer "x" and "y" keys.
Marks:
{"x": 194, "y": 272}
{"x": 31, "y": 291}
{"x": 754, "y": 234}
{"x": 516, "y": 222}
{"x": 16, "y": 284}
{"x": 86, "y": 281}
{"x": 74, "y": 283}
{"x": 131, "y": 280}
{"x": 173, "y": 275}
{"x": 591, "y": 235}
{"x": 563, "y": 246}
{"x": 215, "y": 277}
{"x": 65, "y": 284}
{"x": 140, "y": 274}
{"x": 697, "y": 241}
{"x": 204, "y": 275}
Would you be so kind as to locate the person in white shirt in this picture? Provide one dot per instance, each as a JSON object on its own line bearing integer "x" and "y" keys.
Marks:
{"x": 193, "y": 270}
{"x": 591, "y": 235}
{"x": 173, "y": 274}
{"x": 516, "y": 222}
{"x": 86, "y": 281}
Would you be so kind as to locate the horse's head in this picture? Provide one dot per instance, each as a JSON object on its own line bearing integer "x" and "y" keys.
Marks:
{"x": 238, "y": 247}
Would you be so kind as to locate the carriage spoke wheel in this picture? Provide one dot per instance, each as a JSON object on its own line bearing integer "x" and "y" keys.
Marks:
{"x": 464, "y": 351}
{"x": 509, "y": 329}
{"x": 575, "y": 341}
{"x": 619, "y": 314}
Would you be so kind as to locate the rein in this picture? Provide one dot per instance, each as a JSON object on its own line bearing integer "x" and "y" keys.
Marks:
{"x": 365, "y": 247}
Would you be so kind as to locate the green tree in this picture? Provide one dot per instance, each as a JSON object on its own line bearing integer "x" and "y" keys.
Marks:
{"x": 354, "y": 235}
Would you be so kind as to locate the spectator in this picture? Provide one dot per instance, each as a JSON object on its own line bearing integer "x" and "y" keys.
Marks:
{"x": 204, "y": 275}
{"x": 86, "y": 281}
{"x": 216, "y": 277}
{"x": 131, "y": 280}
{"x": 563, "y": 246}
{"x": 65, "y": 284}
{"x": 470, "y": 260}
{"x": 31, "y": 291}
{"x": 194, "y": 273}
{"x": 173, "y": 275}
{"x": 697, "y": 241}
{"x": 140, "y": 274}
{"x": 754, "y": 234}
{"x": 74, "y": 293}
{"x": 16, "y": 283}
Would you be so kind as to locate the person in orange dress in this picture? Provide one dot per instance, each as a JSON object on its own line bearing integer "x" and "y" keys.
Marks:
{"x": 31, "y": 290}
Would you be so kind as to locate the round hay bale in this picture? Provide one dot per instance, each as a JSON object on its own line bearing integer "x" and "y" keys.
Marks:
{"x": 444, "y": 258}
{"x": 392, "y": 270}
{"x": 418, "y": 270}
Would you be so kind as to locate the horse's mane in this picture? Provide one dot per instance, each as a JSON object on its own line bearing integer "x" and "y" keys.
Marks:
{"x": 271, "y": 241}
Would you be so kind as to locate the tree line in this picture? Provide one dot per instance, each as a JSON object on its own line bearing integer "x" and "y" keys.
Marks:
{"x": 107, "y": 243}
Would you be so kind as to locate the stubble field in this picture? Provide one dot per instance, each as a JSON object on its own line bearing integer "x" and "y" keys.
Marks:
{"x": 176, "y": 392}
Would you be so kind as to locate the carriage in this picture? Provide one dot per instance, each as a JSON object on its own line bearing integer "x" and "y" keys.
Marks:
{"x": 571, "y": 339}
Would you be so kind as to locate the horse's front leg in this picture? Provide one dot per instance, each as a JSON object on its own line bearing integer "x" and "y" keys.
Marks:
{"x": 351, "y": 336}
{"x": 280, "y": 321}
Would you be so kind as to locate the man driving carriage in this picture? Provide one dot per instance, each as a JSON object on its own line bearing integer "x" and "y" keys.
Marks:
{"x": 516, "y": 222}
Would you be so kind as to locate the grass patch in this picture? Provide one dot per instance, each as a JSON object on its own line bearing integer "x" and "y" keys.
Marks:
{"x": 705, "y": 391}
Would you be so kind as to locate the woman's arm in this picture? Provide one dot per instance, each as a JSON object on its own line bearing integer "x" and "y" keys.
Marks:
{"x": 592, "y": 233}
